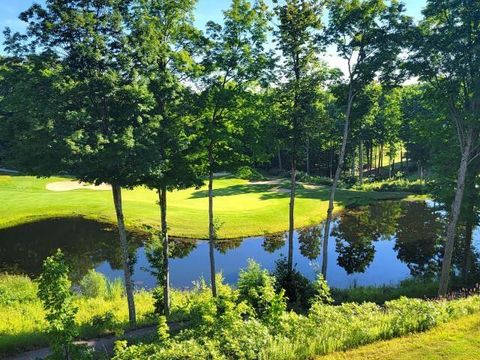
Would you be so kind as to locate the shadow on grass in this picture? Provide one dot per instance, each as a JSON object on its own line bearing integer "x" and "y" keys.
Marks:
{"x": 277, "y": 191}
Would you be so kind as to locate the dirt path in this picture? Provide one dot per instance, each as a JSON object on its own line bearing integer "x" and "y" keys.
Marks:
{"x": 103, "y": 344}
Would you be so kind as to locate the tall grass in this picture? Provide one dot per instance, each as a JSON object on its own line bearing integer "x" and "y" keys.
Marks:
{"x": 22, "y": 323}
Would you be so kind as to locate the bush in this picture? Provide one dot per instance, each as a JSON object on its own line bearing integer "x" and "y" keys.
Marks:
{"x": 17, "y": 289}
{"x": 94, "y": 285}
{"x": 257, "y": 287}
{"x": 397, "y": 185}
{"x": 248, "y": 173}
{"x": 314, "y": 180}
{"x": 57, "y": 298}
{"x": 298, "y": 289}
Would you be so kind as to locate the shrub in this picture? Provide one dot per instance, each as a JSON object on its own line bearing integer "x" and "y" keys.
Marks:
{"x": 257, "y": 287}
{"x": 298, "y": 289}
{"x": 314, "y": 180}
{"x": 321, "y": 290}
{"x": 116, "y": 289}
{"x": 396, "y": 185}
{"x": 107, "y": 323}
{"x": 16, "y": 289}
{"x": 94, "y": 285}
{"x": 248, "y": 173}
{"x": 56, "y": 296}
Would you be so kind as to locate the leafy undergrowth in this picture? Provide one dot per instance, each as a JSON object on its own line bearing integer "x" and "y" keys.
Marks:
{"x": 458, "y": 339}
{"x": 404, "y": 185}
{"x": 251, "y": 321}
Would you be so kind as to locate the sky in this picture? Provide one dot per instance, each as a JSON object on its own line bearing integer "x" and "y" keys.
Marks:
{"x": 206, "y": 10}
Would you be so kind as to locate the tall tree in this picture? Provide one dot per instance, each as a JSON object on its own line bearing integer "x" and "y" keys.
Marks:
{"x": 165, "y": 40}
{"x": 299, "y": 22}
{"x": 446, "y": 52}
{"x": 234, "y": 58}
{"x": 369, "y": 35}
{"x": 104, "y": 103}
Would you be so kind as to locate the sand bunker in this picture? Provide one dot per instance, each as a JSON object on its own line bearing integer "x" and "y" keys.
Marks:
{"x": 75, "y": 185}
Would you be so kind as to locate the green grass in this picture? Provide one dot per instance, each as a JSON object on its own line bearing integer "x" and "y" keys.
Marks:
{"x": 242, "y": 208}
{"x": 458, "y": 339}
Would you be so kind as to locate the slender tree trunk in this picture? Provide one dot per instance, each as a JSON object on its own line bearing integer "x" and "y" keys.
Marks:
{"x": 330, "y": 161}
{"x": 454, "y": 215}
{"x": 308, "y": 156}
{"x": 352, "y": 170}
{"x": 117, "y": 200}
{"x": 341, "y": 159}
{"x": 381, "y": 156}
{"x": 162, "y": 197}
{"x": 378, "y": 160}
{"x": 401, "y": 159}
{"x": 393, "y": 167}
{"x": 279, "y": 156}
{"x": 291, "y": 217}
{"x": 360, "y": 162}
{"x": 211, "y": 227}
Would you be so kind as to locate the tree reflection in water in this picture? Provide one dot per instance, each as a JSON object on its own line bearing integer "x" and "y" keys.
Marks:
{"x": 85, "y": 243}
{"x": 273, "y": 242}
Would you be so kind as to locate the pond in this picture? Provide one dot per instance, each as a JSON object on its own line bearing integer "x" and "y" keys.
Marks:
{"x": 378, "y": 244}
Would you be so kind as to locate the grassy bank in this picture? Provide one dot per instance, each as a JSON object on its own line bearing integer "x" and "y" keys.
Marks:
{"x": 242, "y": 208}
{"x": 459, "y": 339}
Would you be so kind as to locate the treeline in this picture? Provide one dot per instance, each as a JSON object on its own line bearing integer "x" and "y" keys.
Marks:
{"x": 131, "y": 93}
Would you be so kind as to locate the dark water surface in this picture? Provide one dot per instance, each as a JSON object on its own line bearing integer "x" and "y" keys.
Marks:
{"x": 377, "y": 244}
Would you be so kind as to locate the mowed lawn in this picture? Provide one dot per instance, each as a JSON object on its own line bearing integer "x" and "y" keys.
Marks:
{"x": 455, "y": 340}
{"x": 241, "y": 208}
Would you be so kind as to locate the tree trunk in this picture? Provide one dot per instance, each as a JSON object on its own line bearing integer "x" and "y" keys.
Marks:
{"x": 454, "y": 214}
{"x": 381, "y": 157}
{"x": 401, "y": 159}
{"x": 211, "y": 228}
{"x": 291, "y": 217}
{"x": 308, "y": 156}
{"x": 117, "y": 200}
{"x": 360, "y": 162}
{"x": 279, "y": 156}
{"x": 162, "y": 197}
{"x": 330, "y": 161}
{"x": 341, "y": 159}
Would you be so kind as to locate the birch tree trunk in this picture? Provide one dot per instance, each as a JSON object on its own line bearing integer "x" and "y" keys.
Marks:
{"x": 338, "y": 171}
{"x": 117, "y": 200}
{"x": 454, "y": 215}
{"x": 162, "y": 195}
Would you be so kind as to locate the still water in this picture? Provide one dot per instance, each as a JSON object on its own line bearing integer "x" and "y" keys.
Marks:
{"x": 377, "y": 244}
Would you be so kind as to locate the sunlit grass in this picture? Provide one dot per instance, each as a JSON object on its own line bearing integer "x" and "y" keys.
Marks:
{"x": 241, "y": 208}
{"x": 459, "y": 339}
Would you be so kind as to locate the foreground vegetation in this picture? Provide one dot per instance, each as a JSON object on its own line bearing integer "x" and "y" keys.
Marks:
{"x": 459, "y": 339}
{"x": 255, "y": 320}
{"x": 242, "y": 208}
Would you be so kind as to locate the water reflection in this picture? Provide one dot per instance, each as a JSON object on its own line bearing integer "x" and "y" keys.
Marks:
{"x": 370, "y": 245}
